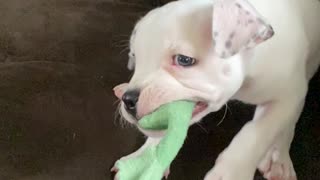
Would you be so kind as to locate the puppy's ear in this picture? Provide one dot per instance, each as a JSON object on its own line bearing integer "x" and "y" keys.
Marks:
{"x": 237, "y": 26}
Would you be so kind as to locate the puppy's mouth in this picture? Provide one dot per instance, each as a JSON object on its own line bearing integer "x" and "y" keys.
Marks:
{"x": 199, "y": 108}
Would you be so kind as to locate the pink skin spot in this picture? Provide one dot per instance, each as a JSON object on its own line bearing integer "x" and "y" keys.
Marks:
{"x": 200, "y": 106}
{"x": 173, "y": 63}
{"x": 120, "y": 90}
{"x": 171, "y": 68}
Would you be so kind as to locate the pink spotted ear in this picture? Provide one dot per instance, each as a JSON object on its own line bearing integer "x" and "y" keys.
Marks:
{"x": 237, "y": 26}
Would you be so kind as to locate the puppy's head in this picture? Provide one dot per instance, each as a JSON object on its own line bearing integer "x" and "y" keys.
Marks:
{"x": 192, "y": 50}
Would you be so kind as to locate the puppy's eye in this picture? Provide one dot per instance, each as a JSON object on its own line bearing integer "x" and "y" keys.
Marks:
{"x": 183, "y": 60}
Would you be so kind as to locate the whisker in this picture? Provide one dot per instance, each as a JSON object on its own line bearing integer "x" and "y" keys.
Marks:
{"x": 124, "y": 50}
{"x": 120, "y": 42}
{"x": 124, "y": 41}
{"x": 229, "y": 108}
{"x": 200, "y": 125}
{"x": 117, "y": 102}
{"x": 119, "y": 117}
{"x": 224, "y": 115}
{"x": 117, "y": 114}
{"x": 124, "y": 44}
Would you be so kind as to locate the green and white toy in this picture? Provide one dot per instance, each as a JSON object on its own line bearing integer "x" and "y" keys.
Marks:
{"x": 152, "y": 163}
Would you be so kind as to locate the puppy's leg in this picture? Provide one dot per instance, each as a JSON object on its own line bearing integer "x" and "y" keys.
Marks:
{"x": 240, "y": 160}
{"x": 277, "y": 163}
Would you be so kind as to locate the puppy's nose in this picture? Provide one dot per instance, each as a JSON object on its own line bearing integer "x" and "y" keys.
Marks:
{"x": 130, "y": 99}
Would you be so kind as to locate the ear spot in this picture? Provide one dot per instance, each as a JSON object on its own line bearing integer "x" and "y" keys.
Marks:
{"x": 237, "y": 26}
{"x": 229, "y": 44}
{"x": 238, "y": 5}
{"x": 232, "y": 35}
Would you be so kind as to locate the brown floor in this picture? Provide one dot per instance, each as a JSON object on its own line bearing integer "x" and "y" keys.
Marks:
{"x": 58, "y": 63}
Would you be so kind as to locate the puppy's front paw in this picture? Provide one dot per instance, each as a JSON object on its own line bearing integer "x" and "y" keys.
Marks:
{"x": 277, "y": 166}
{"x": 230, "y": 170}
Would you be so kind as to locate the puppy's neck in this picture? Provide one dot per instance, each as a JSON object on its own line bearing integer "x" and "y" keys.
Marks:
{"x": 247, "y": 63}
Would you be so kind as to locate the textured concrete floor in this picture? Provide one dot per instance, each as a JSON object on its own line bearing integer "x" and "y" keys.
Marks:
{"x": 58, "y": 63}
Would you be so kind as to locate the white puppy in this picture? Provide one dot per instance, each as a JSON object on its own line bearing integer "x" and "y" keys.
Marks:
{"x": 261, "y": 52}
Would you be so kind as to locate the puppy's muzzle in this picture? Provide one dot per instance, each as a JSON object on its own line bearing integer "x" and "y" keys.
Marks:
{"x": 130, "y": 99}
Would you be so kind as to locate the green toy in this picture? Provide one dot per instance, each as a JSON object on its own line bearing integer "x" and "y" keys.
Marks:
{"x": 152, "y": 163}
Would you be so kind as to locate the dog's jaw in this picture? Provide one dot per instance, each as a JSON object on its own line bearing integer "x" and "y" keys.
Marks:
{"x": 158, "y": 133}
{"x": 201, "y": 110}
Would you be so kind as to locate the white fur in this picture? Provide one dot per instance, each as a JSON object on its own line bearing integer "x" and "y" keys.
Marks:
{"x": 273, "y": 75}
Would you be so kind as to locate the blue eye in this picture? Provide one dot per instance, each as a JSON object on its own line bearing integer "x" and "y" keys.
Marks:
{"x": 183, "y": 60}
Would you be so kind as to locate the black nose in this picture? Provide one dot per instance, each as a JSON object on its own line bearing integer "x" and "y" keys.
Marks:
{"x": 130, "y": 99}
